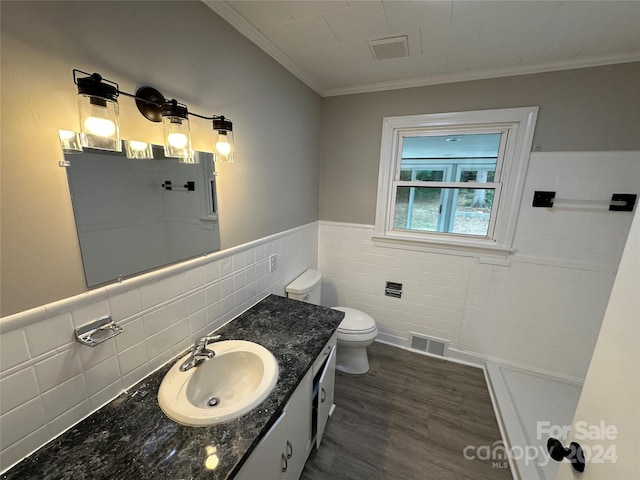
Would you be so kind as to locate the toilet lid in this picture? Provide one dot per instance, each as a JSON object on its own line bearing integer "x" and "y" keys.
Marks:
{"x": 355, "y": 321}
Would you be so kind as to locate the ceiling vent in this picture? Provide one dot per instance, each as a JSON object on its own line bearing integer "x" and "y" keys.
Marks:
{"x": 386, "y": 48}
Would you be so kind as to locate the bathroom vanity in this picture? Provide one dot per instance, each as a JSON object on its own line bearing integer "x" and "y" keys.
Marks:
{"x": 130, "y": 437}
{"x": 283, "y": 451}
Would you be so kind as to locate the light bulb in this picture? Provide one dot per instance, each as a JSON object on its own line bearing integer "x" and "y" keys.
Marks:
{"x": 99, "y": 126}
{"x": 177, "y": 140}
{"x": 223, "y": 147}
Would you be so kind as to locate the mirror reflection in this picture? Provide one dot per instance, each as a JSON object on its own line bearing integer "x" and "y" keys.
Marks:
{"x": 134, "y": 215}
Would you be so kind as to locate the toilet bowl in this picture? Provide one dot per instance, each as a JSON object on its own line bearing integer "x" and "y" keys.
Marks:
{"x": 355, "y": 333}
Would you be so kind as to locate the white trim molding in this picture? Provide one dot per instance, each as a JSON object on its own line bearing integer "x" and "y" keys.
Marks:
{"x": 521, "y": 124}
{"x": 481, "y": 75}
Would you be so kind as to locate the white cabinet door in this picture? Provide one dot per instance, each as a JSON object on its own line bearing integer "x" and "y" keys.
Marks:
{"x": 283, "y": 451}
{"x": 298, "y": 428}
{"x": 267, "y": 461}
{"x": 325, "y": 394}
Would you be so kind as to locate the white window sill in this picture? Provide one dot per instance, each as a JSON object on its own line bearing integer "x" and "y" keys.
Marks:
{"x": 450, "y": 246}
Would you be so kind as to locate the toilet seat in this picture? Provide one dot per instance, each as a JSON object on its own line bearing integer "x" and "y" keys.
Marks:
{"x": 343, "y": 331}
{"x": 355, "y": 322}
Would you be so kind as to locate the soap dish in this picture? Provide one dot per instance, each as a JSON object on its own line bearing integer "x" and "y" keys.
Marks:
{"x": 96, "y": 332}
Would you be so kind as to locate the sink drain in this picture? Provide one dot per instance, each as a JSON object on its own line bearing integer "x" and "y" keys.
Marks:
{"x": 213, "y": 402}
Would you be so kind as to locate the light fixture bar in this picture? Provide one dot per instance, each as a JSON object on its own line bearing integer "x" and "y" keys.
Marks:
{"x": 98, "y": 106}
{"x": 149, "y": 102}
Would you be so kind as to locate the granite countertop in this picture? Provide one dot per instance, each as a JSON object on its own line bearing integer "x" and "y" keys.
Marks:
{"x": 130, "y": 438}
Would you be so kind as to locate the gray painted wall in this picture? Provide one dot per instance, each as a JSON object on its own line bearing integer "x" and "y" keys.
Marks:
{"x": 186, "y": 51}
{"x": 591, "y": 109}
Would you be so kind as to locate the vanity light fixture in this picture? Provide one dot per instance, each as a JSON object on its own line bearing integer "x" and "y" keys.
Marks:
{"x": 98, "y": 106}
{"x": 98, "y": 109}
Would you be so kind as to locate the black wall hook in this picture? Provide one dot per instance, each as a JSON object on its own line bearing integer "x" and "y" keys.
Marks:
{"x": 574, "y": 453}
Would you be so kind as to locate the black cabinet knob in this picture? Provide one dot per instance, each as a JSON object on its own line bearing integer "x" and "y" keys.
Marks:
{"x": 573, "y": 453}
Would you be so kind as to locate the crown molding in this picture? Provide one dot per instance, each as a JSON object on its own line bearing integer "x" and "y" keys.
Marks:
{"x": 482, "y": 75}
{"x": 237, "y": 21}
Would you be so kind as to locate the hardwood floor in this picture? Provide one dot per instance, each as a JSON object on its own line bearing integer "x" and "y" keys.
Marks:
{"x": 410, "y": 417}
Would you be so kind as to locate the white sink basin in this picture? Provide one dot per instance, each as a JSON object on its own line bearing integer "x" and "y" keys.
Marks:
{"x": 239, "y": 378}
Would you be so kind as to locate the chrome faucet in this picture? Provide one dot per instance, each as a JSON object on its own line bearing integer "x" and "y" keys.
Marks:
{"x": 199, "y": 352}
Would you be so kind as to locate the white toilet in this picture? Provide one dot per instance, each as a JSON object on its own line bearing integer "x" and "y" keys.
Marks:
{"x": 356, "y": 332}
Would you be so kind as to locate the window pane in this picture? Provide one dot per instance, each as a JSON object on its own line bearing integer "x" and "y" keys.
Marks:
{"x": 417, "y": 208}
{"x": 480, "y": 176}
{"x": 463, "y": 211}
{"x": 472, "y": 211}
{"x": 405, "y": 175}
{"x": 430, "y": 175}
{"x": 450, "y": 158}
{"x": 475, "y": 145}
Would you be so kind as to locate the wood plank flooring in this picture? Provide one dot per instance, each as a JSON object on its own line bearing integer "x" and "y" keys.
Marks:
{"x": 409, "y": 418}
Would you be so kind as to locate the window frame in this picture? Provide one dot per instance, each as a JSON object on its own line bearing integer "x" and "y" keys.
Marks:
{"x": 519, "y": 125}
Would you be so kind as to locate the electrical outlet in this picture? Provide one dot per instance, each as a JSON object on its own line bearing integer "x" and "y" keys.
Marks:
{"x": 272, "y": 263}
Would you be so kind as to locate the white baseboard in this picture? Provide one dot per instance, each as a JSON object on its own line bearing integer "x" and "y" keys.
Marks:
{"x": 453, "y": 355}
{"x": 478, "y": 360}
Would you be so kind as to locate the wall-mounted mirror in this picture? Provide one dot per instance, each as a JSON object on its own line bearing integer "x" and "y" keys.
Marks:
{"x": 136, "y": 215}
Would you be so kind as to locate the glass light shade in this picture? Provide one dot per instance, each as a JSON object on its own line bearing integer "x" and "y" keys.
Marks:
{"x": 177, "y": 136}
{"x": 70, "y": 141}
{"x": 223, "y": 147}
{"x": 99, "y": 124}
{"x": 138, "y": 150}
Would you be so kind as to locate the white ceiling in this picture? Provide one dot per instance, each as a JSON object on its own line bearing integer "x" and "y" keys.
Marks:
{"x": 324, "y": 43}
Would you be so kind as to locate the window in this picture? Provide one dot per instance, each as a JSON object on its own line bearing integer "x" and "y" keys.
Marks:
{"x": 453, "y": 179}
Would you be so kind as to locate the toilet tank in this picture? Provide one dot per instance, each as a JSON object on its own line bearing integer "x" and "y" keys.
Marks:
{"x": 307, "y": 287}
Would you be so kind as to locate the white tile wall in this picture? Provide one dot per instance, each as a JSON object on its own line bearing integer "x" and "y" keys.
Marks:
{"x": 577, "y": 232}
{"x": 48, "y": 382}
{"x": 542, "y": 312}
{"x": 542, "y": 317}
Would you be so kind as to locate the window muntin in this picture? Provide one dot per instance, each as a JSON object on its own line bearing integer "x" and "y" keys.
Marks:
{"x": 502, "y": 188}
